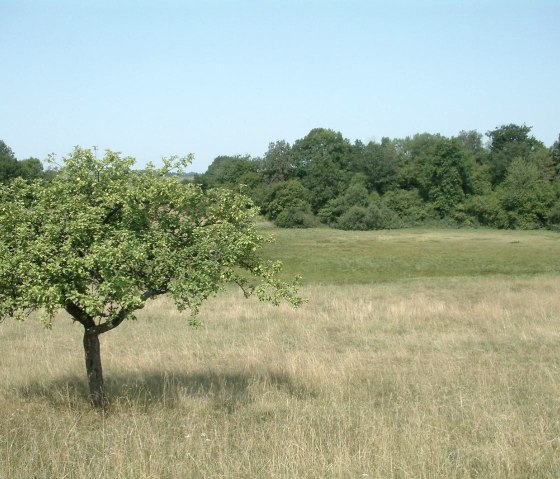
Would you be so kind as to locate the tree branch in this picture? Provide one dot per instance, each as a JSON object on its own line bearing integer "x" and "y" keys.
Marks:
{"x": 79, "y": 314}
{"x": 245, "y": 287}
{"x": 124, "y": 312}
{"x": 112, "y": 213}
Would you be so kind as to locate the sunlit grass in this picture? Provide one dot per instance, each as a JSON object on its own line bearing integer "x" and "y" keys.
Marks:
{"x": 451, "y": 377}
{"x": 329, "y": 256}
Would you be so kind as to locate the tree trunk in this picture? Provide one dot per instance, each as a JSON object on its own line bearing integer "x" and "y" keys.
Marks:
{"x": 93, "y": 368}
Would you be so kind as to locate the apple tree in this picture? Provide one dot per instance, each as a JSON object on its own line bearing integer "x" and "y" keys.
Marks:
{"x": 101, "y": 239}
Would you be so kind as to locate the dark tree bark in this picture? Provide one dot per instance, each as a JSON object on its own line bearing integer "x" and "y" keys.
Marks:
{"x": 92, "y": 347}
{"x": 94, "y": 371}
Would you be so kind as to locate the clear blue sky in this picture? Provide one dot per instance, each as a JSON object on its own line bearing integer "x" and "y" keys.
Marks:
{"x": 211, "y": 77}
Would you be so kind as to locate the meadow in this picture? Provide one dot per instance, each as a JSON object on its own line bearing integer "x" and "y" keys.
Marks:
{"x": 420, "y": 354}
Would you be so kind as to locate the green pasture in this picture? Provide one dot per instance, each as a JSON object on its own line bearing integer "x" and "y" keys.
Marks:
{"x": 328, "y": 256}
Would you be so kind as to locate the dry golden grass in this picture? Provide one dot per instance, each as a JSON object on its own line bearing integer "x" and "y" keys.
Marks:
{"x": 451, "y": 378}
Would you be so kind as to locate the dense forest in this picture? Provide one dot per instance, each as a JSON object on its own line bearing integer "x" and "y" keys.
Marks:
{"x": 507, "y": 180}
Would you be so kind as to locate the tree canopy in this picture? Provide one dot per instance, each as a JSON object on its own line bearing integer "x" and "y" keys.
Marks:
{"x": 100, "y": 239}
{"x": 11, "y": 168}
{"x": 423, "y": 179}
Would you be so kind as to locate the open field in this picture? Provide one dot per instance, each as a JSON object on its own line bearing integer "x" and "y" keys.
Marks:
{"x": 328, "y": 256}
{"x": 442, "y": 365}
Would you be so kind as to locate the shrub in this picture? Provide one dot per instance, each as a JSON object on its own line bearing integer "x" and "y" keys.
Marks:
{"x": 371, "y": 218}
{"x": 294, "y": 218}
{"x": 288, "y": 195}
{"x": 486, "y": 210}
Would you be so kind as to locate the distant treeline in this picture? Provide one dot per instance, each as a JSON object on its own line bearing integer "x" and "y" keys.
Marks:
{"x": 32, "y": 168}
{"x": 509, "y": 180}
{"x": 11, "y": 167}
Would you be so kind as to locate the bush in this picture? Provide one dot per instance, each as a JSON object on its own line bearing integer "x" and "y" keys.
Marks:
{"x": 370, "y": 218}
{"x": 486, "y": 210}
{"x": 355, "y": 195}
{"x": 293, "y": 218}
{"x": 286, "y": 196}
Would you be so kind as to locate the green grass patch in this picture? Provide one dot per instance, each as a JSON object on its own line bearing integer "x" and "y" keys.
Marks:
{"x": 327, "y": 256}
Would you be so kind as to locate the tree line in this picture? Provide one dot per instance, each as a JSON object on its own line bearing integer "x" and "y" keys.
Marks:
{"x": 509, "y": 179}
{"x": 11, "y": 167}
{"x": 504, "y": 179}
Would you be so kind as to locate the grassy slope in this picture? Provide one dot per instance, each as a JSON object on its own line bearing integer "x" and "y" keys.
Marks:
{"x": 442, "y": 376}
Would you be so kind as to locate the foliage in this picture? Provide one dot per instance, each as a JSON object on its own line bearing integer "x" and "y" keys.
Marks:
{"x": 554, "y": 217}
{"x": 11, "y": 168}
{"x": 101, "y": 239}
{"x": 8, "y": 163}
{"x": 379, "y": 162}
{"x": 30, "y": 168}
{"x": 105, "y": 238}
{"x": 362, "y": 218}
{"x": 487, "y": 210}
{"x": 555, "y": 156}
{"x": 323, "y": 157}
{"x": 228, "y": 171}
{"x": 448, "y": 178}
{"x": 278, "y": 162}
{"x": 355, "y": 195}
{"x": 421, "y": 179}
{"x": 507, "y": 143}
{"x": 408, "y": 205}
{"x": 296, "y": 218}
{"x": 286, "y": 195}
{"x": 417, "y": 154}
{"x": 526, "y": 195}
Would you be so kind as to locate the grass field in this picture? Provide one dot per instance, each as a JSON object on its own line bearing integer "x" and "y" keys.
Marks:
{"x": 327, "y": 256}
{"x": 420, "y": 354}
